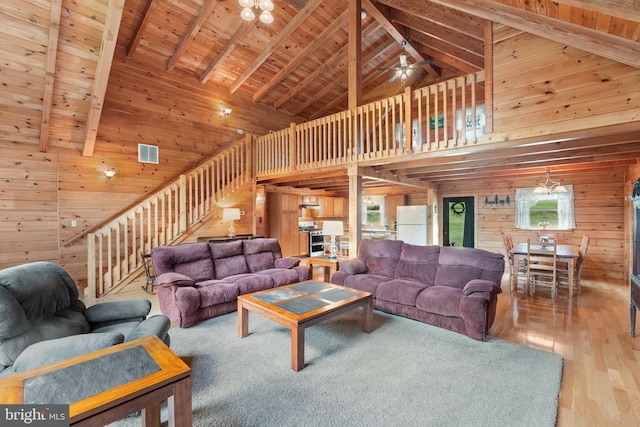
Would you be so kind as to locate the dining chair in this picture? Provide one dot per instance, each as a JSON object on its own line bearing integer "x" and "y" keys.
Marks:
{"x": 542, "y": 266}
{"x": 515, "y": 271}
{"x": 563, "y": 278}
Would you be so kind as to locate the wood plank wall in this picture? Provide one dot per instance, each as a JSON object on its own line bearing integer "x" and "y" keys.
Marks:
{"x": 599, "y": 212}
{"x": 542, "y": 87}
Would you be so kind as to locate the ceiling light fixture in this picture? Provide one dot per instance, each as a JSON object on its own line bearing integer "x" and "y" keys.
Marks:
{"x": 226, "y": 112}
{"x": 549, "y": 186}
{"x": 110, "y": 173}
{"x": 264, "y": 7}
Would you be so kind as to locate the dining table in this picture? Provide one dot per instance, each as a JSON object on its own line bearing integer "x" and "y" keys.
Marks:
{"x": 566, "y": 253}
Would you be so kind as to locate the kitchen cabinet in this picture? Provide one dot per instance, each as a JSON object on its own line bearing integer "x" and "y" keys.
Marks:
{"x": 283, "y": 212}
{"x": 331, "y": 207}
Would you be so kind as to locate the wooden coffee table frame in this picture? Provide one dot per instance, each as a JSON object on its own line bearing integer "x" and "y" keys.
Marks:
{"x": 297, "y": 323}
{"x": 171, "y": 382}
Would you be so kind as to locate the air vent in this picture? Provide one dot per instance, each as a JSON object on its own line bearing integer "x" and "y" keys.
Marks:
{"x": 147, "y": 153}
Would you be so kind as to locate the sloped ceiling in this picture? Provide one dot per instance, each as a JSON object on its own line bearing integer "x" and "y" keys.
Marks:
{"x": 298, "y": 64}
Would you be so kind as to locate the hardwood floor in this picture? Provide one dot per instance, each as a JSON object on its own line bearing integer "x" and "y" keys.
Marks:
{"x": 601, "y": 376}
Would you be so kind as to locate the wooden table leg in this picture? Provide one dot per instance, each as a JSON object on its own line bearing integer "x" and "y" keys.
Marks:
{"x": 327, "y": 273}
{"x": 297, "y": 348}
{"x": 179, "y": 405}
{"x": 150, "y": 415}
{"x": 243, "y": 320}
{"x": 367, "y": 324}
{"x": 570, "y": 274}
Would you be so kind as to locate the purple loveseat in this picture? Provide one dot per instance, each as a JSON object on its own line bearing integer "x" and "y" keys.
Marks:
{"x": 454, "y": 288}
{"x": 197, "y": 281}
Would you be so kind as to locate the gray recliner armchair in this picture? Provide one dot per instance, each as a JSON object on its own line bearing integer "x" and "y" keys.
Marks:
{"x": 42, "y": 319}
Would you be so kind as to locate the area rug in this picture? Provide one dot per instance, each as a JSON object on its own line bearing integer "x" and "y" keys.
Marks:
{"x": 403, "y": 373}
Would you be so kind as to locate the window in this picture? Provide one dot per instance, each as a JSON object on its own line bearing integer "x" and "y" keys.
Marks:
{"x": 373, "y": 211}
{"x": 535, "y": 211}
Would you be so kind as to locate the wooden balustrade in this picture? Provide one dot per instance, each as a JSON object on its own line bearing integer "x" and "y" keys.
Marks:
{"x": 114, "y": 251}
{"x": 436, "y": 117}
{"x": 433, "y": 118}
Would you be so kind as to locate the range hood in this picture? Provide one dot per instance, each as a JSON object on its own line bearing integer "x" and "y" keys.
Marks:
{"x": 310, "y": 202}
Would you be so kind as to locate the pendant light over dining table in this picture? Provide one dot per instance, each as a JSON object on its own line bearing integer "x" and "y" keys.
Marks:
{"x": 265, "y": 6}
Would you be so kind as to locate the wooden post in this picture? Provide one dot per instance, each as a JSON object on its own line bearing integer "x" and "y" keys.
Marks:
{"x": 293, "y": 164}
{"x": 488, "y": 77}
{"x": 183, "y": 204}
{"x": 408, "y": 117}
{"x": 355, "y": 53}
{"x": 355, "y": 209}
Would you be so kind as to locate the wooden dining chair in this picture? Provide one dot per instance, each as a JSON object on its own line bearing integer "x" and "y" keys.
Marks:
{"x": 515, "y": 271}
{"x": 563, "y": 278}
{"x": 542, "y": 263}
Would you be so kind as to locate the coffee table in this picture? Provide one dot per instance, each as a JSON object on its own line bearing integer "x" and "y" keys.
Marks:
{"x": 301, "y": 305}
{"x": 154, "y": 374}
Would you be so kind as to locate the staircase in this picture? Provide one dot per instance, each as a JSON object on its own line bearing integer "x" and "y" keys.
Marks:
{"x": 164, "y": 218}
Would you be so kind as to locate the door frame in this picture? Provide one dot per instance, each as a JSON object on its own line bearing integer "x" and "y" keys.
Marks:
{"x": 469, "y": 200}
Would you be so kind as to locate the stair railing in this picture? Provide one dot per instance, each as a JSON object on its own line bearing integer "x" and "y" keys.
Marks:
{"x": 114, "y": 250}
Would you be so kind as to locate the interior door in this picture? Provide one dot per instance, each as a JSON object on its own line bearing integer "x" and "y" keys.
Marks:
{"x": 458, "y": 221}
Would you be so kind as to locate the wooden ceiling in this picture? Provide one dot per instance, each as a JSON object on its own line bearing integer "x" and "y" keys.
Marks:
{"x": 297, "y": 65}
{"x": 299, "y": 62}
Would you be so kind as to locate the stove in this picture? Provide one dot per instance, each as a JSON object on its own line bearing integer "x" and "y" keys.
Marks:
{"x": 316, "y": 239}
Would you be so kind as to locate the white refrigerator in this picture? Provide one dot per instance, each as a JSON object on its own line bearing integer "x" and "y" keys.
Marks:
{"x": 412, "y": 224}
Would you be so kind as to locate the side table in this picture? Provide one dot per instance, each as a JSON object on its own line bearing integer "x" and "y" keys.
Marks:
{"x": 158, "y": 375}
{"x": 330, "y": 266}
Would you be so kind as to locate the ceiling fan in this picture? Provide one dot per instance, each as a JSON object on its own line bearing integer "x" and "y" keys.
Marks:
{"x": 405, "y": 70}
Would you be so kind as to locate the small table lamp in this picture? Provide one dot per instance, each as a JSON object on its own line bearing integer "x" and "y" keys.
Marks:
{"x": 333, "y": 229}
{"x": 231, "y": 214}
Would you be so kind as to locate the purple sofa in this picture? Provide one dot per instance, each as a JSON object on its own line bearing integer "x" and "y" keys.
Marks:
{"x": 197, "y": 281}
{"x": 454, "y": 288}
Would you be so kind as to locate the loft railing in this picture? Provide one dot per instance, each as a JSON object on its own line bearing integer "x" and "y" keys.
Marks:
{"x": 437, "y": 117}
{"x": 114, "y": 251}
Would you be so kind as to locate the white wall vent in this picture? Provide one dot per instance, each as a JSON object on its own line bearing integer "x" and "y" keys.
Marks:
{"x": 147, "y": 153}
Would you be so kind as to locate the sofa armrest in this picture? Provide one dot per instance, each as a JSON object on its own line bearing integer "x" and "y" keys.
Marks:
{"x": 287, "y": 262}
{"x": 106, "y": 313}
{"x": 176, "y": 279}
{"x": 157, "y": 325}
{"x": 353, "y": 266}
{"x": 480, "y": 285}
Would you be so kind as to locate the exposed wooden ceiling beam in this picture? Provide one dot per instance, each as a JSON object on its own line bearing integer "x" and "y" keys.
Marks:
{"x": 441, "y": 33}
{"x": 109, "y": 39}
{"x": 382, "y": 14}
{"x": 340, "y": 55}
{"x": 242, "y": 31}
{"x": 142, "y": 25}
{"x": 275, "y": 43}
{"x": 338, "y": 80}
{"x": 606, "y": 45}
{"x": 463, "y": 23}
{"x": 316, "y": 44}
{"x": 191, "y": 33}
{"x": 50, "y": 72}
{"x": 390, "y": 177}
{"x": 447, "y": 51}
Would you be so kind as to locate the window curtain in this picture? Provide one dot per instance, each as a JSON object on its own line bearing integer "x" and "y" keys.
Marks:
{"x": 525, "y": 198}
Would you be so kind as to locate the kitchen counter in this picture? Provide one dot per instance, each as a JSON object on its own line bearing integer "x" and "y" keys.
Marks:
{"x": 368, "y": 233}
